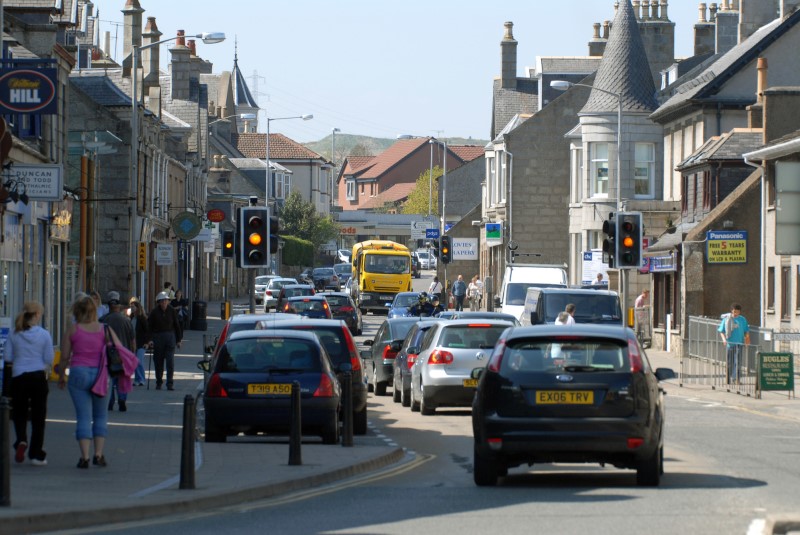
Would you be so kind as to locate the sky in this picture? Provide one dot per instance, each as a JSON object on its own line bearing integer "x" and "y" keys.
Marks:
{"x": 379, "y": 68}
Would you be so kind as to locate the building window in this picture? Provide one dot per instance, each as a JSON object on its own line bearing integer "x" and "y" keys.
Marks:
{"x": 645, "y": 169}
{"x": 492, "y": 189}
{"x": 351, "y": 189}
{"x": 599, "y": 169}
{"x": 707, "y": 190}
{"x": 786, "y": 275}
{"x": 770, "y": 289}
{"x": 279, "y": 194}
{"x": 684, "y": 194}
{"x": 287, "y": 185}
{"x": 503, "y": 185}
{"x": 797, "y": 290}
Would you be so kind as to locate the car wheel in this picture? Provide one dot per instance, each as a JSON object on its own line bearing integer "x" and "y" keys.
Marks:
{"x": 363, "y": 311}
{"x": 405, "y": 397}
{"x": 648, "y": 473}
{"x": 214, "y": 433}
{"x": 485, "y": 469}
{"x": 395, "y": 393}
{"x": 426, "y": 409}
{"x": 330, "y": 435}
{"x": 413, "y": 403}
{"x": 360, "y": 422}
{"x": 380, "y": 389}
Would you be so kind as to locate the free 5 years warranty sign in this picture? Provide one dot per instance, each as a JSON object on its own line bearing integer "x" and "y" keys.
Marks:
{"x": 726, "y": 246}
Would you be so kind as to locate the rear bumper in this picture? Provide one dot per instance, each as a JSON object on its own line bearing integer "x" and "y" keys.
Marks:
{"x": 273, "y": 415}
{"x": 448, "y": 395}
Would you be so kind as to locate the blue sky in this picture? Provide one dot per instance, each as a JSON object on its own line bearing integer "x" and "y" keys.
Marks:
{"x": 380, "y": 68}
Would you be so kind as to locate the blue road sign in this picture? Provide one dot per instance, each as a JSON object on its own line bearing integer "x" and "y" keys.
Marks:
{"x": 431, "y": 233}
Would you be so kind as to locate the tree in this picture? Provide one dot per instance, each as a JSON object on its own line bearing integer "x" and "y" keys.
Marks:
{"x": 300, "y": 219}
{"x": 361, "y": 149}
{"x": 420, "y": 197}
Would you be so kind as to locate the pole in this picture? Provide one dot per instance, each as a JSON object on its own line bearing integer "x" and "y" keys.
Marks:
{"x": 623, "y": 275}
{"x": 430, "y": 187}
{"x": 5, "y": 453}
{"x": 295, "y": 427}
{"x": 266, "y": 203}
{"x": 187, "y": 444}
{"x": 133, "y": 188}
{"x": 444, "y": 203}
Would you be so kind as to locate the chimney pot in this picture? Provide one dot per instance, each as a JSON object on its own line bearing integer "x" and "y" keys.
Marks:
{"x": 606, "y": 25}
{"x": 702, "y": 9}
{"x": 712, "y": 12}
{"x": 762, "y": 79}
{"x": 596, "y": 27}
{"x": 664, "y": 6}
{"x": 181, "y": 38}
{"x": 192, "y": 47}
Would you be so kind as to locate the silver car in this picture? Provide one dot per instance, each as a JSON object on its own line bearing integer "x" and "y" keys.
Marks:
{"x": 441, "y": 374}
{"x": 260, "y": 286}
{"x": 273, "y": 289}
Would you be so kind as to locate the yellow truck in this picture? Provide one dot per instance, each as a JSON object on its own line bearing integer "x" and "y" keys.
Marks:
{"x": 381, "y": 269}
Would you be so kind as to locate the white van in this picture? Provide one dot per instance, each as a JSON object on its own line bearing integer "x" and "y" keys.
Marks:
{"x": 519, "y": 277}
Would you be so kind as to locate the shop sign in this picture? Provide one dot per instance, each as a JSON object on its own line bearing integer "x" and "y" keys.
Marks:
{"x": 660, "y": 264}
{"x": 347, "y": 231}
{"x": 216, "y": 215}
{"x": 165, "y": 255}
{"x": 776, "y": 371}
{"x": 41, "y": 182}
{"x": 726, "y": 246}
{"x": 32, "y": 91}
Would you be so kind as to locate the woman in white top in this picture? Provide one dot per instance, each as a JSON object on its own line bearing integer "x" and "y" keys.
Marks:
{"x": 472, "y": 292}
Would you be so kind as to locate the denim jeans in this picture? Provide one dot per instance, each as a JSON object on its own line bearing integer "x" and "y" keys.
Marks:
{"x": 91, "y": 411}
{"x": 138, "y": 376}
{"x": 734, "y": 354}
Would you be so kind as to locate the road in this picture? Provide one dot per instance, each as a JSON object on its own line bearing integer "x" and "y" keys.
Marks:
{"x": 725, "y": 470}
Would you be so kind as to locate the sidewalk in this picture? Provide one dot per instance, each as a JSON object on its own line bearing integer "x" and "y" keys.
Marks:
{"x": 143, "y": 450}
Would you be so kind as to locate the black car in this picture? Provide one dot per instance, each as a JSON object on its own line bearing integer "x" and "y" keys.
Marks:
{"x": 344, "y": 272}
{"x": 250, "y": 383}
{"x": 383, "y": 349}
{"x": 568, "y": 394}
{"x": 325, "y": 279}
{"x": 292, "y": 290}
{"x": 401, "y": 367}
{"x": 343, "y": 308}
{"x": 341, "y": 348}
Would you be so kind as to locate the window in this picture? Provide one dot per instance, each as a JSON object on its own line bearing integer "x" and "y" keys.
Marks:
{"x": 599, "y": 169}
{"x": 576, "y": 184}
{"x": 278, "y": 186}
{"x": 351, "y": 189}
{"x": 287, "y": 185}
{"x": 785, "y": 295}
{"x": 707, "y": 191}
{"x": 502, "y": 183}
{"x": 492, "y": 180}
{"x": 684, "y": 194}
{"x": 770, "y": 289}
{"x": 645, "y": 168}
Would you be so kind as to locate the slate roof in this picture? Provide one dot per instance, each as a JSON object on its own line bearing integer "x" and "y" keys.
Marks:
{"x": 241, "y": 93}
{"x": 567, "y": 64}
{"x": 728, "y": 147}
{"x": 718, "y": 70}
{"x": 101, "y": 90}
{"x": 506, "y": 103}
{"x": 467, "y": 152}
{"x": 395, "y": 193}
{"x": 252, "y": 145}
{"x": 624, "y": 69}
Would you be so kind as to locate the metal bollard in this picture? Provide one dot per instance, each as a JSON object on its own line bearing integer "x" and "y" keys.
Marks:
{"x": 295, "y": 428}
{"x": 187, "y": 444}
{"x": 5, "y": 453}
{"x": 347, "y": 410}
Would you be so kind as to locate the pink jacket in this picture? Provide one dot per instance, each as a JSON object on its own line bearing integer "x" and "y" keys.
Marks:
{"x": 124, "y": 383}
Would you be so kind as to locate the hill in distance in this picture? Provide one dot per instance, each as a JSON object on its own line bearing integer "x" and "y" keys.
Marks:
{"x": 354, "y": 145}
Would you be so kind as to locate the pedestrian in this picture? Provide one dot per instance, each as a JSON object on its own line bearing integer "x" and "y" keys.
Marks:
{"x": 472, "y": 292}
{"x": 169, "y": 291}
{"x": 735, "y": 334}
{"x": 563, "y": 318}
{"x": 121, "y": 325}
{"x": 29, "y": 349}
{"x": 102, "y": 309}
{"x": 166, "y": 333}
{"x": 436, "y": 288}
{"x": 643, "y": 300}
{"x": 570, "y": 310}
{"x": 181, "y": 306}
{"x": 142, "y": 334}
{"x": 459, "y": 292}
{"x": 479, "y": 284}
{"x": 83, "y": 352}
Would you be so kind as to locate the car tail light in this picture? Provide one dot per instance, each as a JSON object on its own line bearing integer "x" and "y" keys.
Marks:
{"x": 355, "y": 360}
{"x": 410, "y": 360}
{"x": 637, "y": 365}
{"x": 479, "y": 325}
{"x": 388, "y": 353}
{"x": 325, "y": 388}
{"x": 347, "y": 308}
{"x": 268, "y": 293}
{"x": 440, "y": 356}
{"x": 635, "y": 442}
{"x": 495, "y": 444}
{"x": 497, "y": 356}
{"x": 221, "y": 339}
{"x": 214, "y": 389}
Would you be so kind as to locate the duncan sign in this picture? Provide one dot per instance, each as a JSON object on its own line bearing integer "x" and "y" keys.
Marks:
{"x": 31, "y": 91}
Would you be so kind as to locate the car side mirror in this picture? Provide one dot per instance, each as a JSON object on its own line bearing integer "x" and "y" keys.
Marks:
{"x": 204, "y": 365}
{"x": 396, "y": 345}
{"x": 662, "y": 374}
{"x": 476, "y": 373}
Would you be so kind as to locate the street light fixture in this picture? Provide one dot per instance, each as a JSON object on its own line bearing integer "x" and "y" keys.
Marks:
{"x": 242, "y": 116}
{"x": 563, "y": 85}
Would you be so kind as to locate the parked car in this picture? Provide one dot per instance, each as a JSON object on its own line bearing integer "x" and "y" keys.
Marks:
{"x": 571, "y": 394}
{"x": 244, "y": 322}
{"x": 344, "y": 255}
{"x": 292, "y": 290}
{"x": 273, "y": 289}
{"x": 310, "y": 306}
{"x": 341, "y": 347}
{"x": 325, "y": 278}
{"x": 440, "y": 375}
{"x": 261, "y": 285}
{"x": 403, "y": 301}
{"x": 250, "y": 384}
{"x": 344, "y": 308}
{"x": 344, "y": 272}
{"x": 401, "y": 367}
{"x": 378, "y": 359}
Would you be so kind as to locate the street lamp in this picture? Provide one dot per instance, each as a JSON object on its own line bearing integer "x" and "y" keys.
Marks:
{"x": 208, "y": 38}
{"x": 333, "y": 161}
{"x": 444, "y": 183}
{"x": 563, "y": 85}
{"x": 242, "y": 116}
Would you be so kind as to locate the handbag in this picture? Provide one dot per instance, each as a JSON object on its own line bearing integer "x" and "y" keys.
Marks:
{"x": 113, "y": 358}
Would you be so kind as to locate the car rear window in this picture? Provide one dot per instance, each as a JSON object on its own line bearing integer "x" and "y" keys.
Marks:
{"x": 589, "y": 308}
{"x": 292, "y": 292}
{"x": 406, "y": 300}
{"x": 477, "y": 336}
{"x": 251, "y": 355}
{"x": 332, "y": 338}
{"x": 307, "y": 305}
{"x": 337, "y": 300}
{"x": 556, "y": 355}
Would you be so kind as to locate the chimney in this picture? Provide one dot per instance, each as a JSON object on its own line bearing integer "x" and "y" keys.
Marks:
{"x": 664, "y": 7}
{"x": 704, "y": 33}
{"x": 150, "y": 56}
{"x": 637, "y": 9}
{"x": 788, "y": 6}
{"x": 755, "y": 113}
{"x": 107, "y": 45}
{"x": 508, "y": 58}
{"x": 132, "y": 15}
{"x": 726, "y": 30}
{"x": 754, "y": 14}
{"x": 780, "y": 109}
{"x": 712, "y": 12}
{"x": 658, "y": 38}
{"x": 192, "y": 47}
{"x": 597, "y": 45}
{"x": 606, "y": 29}
{"x": 180, "y": 68}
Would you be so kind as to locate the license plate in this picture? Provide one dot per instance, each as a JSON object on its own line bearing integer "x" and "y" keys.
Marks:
{"x": 269, "y": 389}
{"x": 386, "y": 298}
{"x": 471, "y": 383}
{"x": 564, "y": 397}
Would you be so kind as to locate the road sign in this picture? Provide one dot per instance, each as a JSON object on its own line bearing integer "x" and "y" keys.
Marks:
{"x": 431, "y": 233}
{"x": 142, "y": 256}
{"x": 418, "y": 229}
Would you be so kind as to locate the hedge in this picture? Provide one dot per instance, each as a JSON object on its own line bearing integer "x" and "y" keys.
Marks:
{"x": 297, "y": 252}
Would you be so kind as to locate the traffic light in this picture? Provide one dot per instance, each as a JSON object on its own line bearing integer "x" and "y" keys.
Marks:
{"x": 629, "y": 240}
{"x": 274, "y": 229}
{"x": 228, "y": 243}
{"x": 434, "y": 244}
{"x": 445, "y": 253}
{"x": 609, "y": 243}
{"x": 253, "y": 237}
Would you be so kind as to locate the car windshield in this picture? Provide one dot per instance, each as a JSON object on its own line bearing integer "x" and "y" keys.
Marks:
{"x": 323, "y": 272}
{"x": 476, "y": 336}
{"x": 589, "y": 308}
{"x": 387, "y": 264}
{"x": 343, "y": 269}
{"x": 400, "y": 329}
{"x": 253, "y": 355}
{"x": 422, "y": 255}
{"x": 263, "y": 279}
{"x": 556, "y": 355}
{"x": 280, "y": 283}
{"x": 406, "y": 300}
{"x": 307, "y": 305}
{"x": 332, "y": 338}
{"x": 292, "y": 292}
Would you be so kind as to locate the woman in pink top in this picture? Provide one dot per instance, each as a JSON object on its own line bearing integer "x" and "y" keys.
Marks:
{"x": 82, "y": 351}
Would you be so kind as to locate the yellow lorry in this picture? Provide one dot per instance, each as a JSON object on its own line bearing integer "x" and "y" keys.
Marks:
{"x": 381, "y": 269}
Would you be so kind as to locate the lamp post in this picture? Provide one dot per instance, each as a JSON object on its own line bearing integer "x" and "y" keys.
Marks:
{"x": 444, "y": 194}
{"x": 208, "y": 38}
{"x": 333, "y": 161}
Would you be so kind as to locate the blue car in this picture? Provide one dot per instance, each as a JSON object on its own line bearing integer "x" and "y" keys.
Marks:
{"x": 402, "y": 302}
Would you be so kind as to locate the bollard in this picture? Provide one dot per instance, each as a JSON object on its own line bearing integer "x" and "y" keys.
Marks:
{"x": 347, "y": 411}
{"x": 295, "y": 427}
{"x": 187, "y": 444}
{"x": 5, "y": 453}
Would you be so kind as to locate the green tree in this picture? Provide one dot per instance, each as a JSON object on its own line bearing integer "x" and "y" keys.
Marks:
{"x": 420, "y": 197}
{"x": 301, "y": 219}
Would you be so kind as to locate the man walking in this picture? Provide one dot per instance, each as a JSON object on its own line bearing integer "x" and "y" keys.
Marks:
{"x": 735, "y": 333}
{"x": 165, "y": 328}
{"x": 459, "y": 292}
{"x": 120, "y": 324}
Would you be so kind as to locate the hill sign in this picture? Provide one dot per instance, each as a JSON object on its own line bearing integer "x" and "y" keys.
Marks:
{"x": 28, "y": 91}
